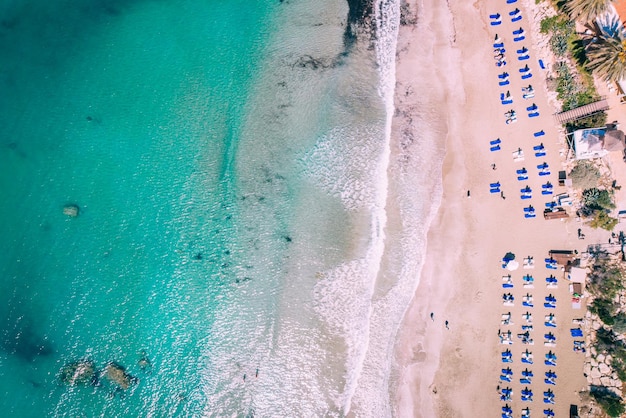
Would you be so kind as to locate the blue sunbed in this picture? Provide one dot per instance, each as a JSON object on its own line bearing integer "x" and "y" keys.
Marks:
{"x": 542, "y": 166}
{"x": 510, "y": 1}
{"x": 516, "y": 18}
{"x": 523, "y": 57}
{"x": 530, "y": 215}
{"x": 519, "y": 38}
{"x": 533, "y": 114}
{"x": 524, "y": 69}
{"x": 504, "y": 75}
{"x": 496, "y": 22}
{"x": 519, "y": 31}
{"x": 527, "y": 75}
{"x": 521, "y": 171}
{"x": 531, "y": 107}
{"x": 538, "y": 147}
{"x": 576, "y": 332}
{"x": 504, "y": 83}
{"x": 540, "y": 154}
{"x": 546, "y": 192}
{"x": 498, "y": 44}
{"x": 522, "y": 177}
{"x": 529, "y": 209}
{"x": 539, "y": 133}
{"x": 495, "y": 148}
{"x": 494, "y": 190}
{"x": 522, "y": 51}
{"x": 507, "y": 102}
{"x": 495, "y": 141}
{"x": 541, "y": 64}
{"x": 514, "y": 12}
{"x": 544, "y": 173}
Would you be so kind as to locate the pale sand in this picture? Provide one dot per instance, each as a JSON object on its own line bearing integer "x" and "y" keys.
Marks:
{"x": 454, "y": 373}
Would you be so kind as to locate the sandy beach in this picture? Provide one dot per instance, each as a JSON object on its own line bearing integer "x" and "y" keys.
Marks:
{"x": 454, "y": 371}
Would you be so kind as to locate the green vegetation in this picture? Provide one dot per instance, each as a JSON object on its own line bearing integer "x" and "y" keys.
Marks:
{"x": 585, "y": 175}
{"x": 598, "y": 199}
{"x": 607, "y": 55}
{"x": 605, "y": 280}
{"x": 609, "y": 401}
{"x": 603, "y": 220}
{"x": 596, "y": 205}
{"x": 573, "y": 89}
{"x": 605, "y": 283}
{"x": 604, "y": 308}
{"x": 586, "y": 10}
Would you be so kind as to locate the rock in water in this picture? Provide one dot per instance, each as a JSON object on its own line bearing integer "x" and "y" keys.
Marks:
{"x": 144, "y": 362}
{"x": 79, "y": 372}
{"x": 116, "y": 374}
{"x": 71, "y": 210}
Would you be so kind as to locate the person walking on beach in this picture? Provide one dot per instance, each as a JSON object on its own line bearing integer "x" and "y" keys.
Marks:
{"x": 502, "y": 195}
{"x": 493, "y": 166}
{"x": 447, "y": 327}
{"x": 432, "y": 316}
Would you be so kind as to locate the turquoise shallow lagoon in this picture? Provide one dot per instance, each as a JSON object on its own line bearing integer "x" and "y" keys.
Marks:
{"x": 229, "y": 162}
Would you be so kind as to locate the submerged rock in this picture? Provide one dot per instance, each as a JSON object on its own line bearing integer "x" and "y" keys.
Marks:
{"x": 79, "y": 372}
{"x": 144, "y": 362}
{"x": 117, "y": 375}
{"x": 71, "y": 210}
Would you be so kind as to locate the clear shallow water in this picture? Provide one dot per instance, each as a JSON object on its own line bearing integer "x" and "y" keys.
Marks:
{"x": 229, "y": 162}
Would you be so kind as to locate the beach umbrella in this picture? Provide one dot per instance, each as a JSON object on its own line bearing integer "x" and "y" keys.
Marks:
{"x": 512, "y": 265}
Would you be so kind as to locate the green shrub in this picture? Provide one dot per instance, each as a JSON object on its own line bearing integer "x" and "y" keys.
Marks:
{"x": 605, "y": 281}
{"x": 604, "y": 308}
{"x": 585, "y": 175}
{"x": 595, "y": 198}
{"x": 609, "y": 401}
{"x": 601, "y": 219}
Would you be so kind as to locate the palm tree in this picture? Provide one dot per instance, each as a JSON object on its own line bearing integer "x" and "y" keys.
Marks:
{"x": 586, "y": 10}
{"x": 607, "y": 55}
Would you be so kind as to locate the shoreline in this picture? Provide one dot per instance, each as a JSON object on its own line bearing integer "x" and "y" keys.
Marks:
{"x": 452, "y": 372}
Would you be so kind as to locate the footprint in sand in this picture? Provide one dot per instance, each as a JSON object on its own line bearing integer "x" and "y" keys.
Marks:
{"x": 458, "y": 352}
{"x": 478, "y": 297}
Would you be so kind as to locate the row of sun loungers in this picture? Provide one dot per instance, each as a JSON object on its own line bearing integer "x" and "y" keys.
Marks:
{"x": 527, "y": 358}
{"x": 526, "y": 376}
{"x": 529, "y": 282}
{"x": 496, "y": 18}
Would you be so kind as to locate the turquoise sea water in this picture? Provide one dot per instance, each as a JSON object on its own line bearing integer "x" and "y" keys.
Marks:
{"x": 226, "y": 159}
